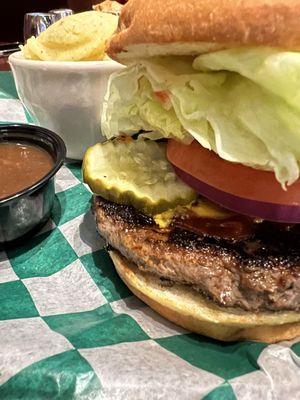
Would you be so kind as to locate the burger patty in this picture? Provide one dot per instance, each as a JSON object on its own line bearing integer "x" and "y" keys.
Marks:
{"x": 261, "y": 272}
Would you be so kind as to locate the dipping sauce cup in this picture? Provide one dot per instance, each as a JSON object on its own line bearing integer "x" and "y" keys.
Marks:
{"x": 30, "y": 208}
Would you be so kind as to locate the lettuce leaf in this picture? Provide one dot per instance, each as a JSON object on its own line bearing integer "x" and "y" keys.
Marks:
{"x": 244, "y": 104}
{"x": 131, "y": 106}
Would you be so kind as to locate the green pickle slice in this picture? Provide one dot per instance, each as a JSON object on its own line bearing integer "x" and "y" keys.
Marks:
{"x": 135, "y": 172}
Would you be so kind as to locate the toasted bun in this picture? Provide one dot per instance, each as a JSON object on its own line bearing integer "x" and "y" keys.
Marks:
{"x": 147, "y": 28}
{"x": 187, "y": 308}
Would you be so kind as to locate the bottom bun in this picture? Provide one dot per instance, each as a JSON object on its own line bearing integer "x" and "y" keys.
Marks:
{"x": 186, "y": 307}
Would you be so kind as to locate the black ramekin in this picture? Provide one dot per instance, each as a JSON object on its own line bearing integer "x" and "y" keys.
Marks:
{"x": 30, "y": 208}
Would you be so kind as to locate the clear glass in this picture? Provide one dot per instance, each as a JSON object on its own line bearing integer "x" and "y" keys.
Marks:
{"x": 36, "y": 22}
{"x": 61, "y": 13}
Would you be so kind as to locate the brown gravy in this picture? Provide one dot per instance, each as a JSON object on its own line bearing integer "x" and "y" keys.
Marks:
{"x": 21, "y": 165}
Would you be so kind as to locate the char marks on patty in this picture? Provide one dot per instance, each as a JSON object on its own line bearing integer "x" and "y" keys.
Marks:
{"x": 261, "y": 272}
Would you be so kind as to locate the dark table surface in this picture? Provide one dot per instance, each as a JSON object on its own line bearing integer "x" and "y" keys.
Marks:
{"x": 4, "y": 66}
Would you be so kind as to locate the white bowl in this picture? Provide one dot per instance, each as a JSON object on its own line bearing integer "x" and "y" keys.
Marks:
{"x": 65, "y": 97}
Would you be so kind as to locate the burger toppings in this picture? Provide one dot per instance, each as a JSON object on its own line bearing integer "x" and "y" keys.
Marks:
{"x": 135, "y": 172}
{"x": 242, "y": 103}
{"x": 235, "y": 228}
{"x": 206, "y": 218}
{"x": 235, "y": 186}
{"x": 201, "y": 208}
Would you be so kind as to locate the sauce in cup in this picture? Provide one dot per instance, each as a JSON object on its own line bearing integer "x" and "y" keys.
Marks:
{"x": 21, "y": 166}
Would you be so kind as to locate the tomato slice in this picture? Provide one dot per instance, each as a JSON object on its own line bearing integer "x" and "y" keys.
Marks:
{"x": 162, "y": 96}
{"x": 232, "y": 178}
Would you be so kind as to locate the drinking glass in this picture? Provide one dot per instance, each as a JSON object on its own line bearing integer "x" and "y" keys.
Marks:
{"x": 61, "y": 13}
{"x": 36, "y": 22}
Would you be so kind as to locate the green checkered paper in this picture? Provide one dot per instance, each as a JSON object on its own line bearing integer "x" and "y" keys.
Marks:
{"x": 70, "y": 329}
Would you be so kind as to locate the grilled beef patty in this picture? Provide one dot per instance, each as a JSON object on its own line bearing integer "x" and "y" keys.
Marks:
{"x": 260, "y": 272}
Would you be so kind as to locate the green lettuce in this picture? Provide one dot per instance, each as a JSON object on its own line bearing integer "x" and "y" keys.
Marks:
{"x": 244, "y": 104}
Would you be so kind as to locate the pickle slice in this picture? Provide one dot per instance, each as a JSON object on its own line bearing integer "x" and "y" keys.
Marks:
{"x": 135, "y": 172}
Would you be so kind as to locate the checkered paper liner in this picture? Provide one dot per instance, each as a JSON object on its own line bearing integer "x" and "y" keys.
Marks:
{"x": 70, "y": 328}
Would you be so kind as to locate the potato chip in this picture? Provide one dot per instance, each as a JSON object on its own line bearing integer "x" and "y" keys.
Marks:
{"x": 78, "y": 37}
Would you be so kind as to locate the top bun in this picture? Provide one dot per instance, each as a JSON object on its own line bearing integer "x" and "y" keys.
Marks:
{"x": 187, "y": 27}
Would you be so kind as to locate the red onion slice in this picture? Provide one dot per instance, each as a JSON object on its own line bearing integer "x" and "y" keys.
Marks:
{"x": 253, "y": 208}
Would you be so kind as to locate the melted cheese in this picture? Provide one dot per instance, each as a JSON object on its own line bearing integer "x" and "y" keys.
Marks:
{"x": 202, "y": 208}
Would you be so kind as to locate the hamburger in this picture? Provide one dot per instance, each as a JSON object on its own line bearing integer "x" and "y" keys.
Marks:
{"x": 197, "y": 187}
